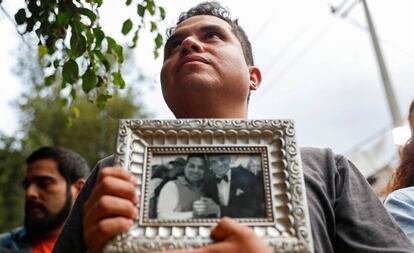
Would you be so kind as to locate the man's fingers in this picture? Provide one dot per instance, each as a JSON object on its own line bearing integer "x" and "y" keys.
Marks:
{"x": 117, "y": 172}
{"x": 112, "y": 186}
{"x": 226, "y": 228}
{"x": 110, "y": 206}
{"x": 101, "y": 232}
{"x": 219, "y": 247}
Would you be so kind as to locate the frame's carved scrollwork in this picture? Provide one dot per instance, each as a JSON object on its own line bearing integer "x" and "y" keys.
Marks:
{"x": 286, "y": 225}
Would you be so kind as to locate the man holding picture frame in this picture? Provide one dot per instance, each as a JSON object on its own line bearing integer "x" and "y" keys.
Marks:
{"x": 208, "y": 72}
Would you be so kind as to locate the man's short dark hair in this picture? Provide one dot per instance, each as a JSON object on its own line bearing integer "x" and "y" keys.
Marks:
{"x": 215, "y": 9}
{"x": 71, "y": 165}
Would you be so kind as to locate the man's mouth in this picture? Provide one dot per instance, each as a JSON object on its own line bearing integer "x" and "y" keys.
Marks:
{"x": 34, "y": 208}
{"x": 193, "y": 60}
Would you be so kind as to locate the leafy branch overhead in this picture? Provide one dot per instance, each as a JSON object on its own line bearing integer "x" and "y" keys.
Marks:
{"x": 73, "y": 46}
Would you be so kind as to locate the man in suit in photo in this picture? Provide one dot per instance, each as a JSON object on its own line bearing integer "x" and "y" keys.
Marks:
{"x": 230, "y": 192}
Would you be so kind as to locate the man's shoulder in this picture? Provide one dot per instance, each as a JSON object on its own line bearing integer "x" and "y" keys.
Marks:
{"x": 106, "y": 162}
{"x": 14, "y": 237}
{"x": 20, "y": 231}
{"x": 242, "y": 175}
{"x": 323, "y": 154}
{"x": 404, "y": 194}
{"x": 319, "y": 158}
{"x": 240, "y": 170}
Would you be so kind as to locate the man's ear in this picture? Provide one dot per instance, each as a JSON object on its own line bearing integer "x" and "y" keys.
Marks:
{"x": 255, "y": 77}
{"x": 77, "y": 186}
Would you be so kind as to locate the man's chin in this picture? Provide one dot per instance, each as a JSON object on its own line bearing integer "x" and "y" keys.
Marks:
{"x": 37, "y": 215}
{"x": 43, "y": 223}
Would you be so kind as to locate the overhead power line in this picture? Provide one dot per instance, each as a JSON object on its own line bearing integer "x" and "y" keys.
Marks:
{"x": 288, "y": 67}
{"x": 15, "y": 25}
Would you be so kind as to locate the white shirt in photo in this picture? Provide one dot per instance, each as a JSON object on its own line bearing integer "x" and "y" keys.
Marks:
{"x": 224, "y": 190}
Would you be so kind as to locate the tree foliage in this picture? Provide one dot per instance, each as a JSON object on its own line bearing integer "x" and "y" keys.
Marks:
{"x": 73, "y": 45}
{"x": 12, "y": 158}
{"x": 82, "y": 127}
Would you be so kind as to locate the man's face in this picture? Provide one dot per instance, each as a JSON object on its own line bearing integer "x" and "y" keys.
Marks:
{"x": 219, "y": 164}
{"x": 47, "y": 202}
{"x": 194, "y": 169}
{"x": 204, "y": 66}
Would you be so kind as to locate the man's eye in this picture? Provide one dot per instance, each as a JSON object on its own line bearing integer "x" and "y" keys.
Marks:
{"x": 175, "y": 44}
{"x": 43, "y": 183}
{"x": 212, "y": 35}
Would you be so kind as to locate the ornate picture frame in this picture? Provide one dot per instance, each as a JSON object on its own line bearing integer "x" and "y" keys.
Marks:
{"x": 145, "y": 144}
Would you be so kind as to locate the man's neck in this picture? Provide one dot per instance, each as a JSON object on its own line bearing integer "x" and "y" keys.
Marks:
{"x": 211, "y": 115}
{"x": 210, "y": 110}
{"x": 53, "y": 235}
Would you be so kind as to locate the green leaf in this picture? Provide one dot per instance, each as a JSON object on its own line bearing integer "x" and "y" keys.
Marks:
{"x": 141, "y": 10}
{"x": 135, "y": 39}
{"x": 20, "y": 16}
{"x": 156, "y": 54}
{"x": 118, "y": 80}
{"x": 56, "y": 63}
{"x": 153, "y": 26}
{"x": 128, "y": 2}
{"x": 127, "y": 26}
{"x": 49, "y": 80}
{"x": 101, "y": 101}
{"x": 158, "y": 41}
{"x": 89, "y": 80}
{"x": 62, "y": 102}
{"x": 41, "y": 51}
{"x": 70, "y": 54}
{"x": 86, "y": 12}
{"x": 78, "y": 44}
{"x": 162, "y": 12}
{"x": 98, "y": 2}
{"x": 62, "y": 19}
{"x": 73, "y": 93}
{"x": 116, "y": 48}
{"x": 102, "y": 59}
{"x": 151, "y": 7}
{"x": 101, "y": 82}
{"x": 89, "y": 38}
{"x": 70, "y": 71}
{"x": 99, "y": 37}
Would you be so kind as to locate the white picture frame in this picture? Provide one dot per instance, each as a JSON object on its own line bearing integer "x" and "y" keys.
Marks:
{"x": 285, "y": 227}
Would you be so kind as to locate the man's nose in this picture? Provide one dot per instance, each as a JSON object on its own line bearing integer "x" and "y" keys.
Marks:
{"x": 190, "y": 44}
{"x": 32, "y": 192}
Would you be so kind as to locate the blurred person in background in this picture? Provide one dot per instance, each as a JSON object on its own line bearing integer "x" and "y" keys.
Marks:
{"x": 400, "y": 202}
{"x": 53, "y": 179}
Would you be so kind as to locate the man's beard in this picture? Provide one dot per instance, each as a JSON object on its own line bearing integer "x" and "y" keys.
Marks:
{"x": 41, "y": 227}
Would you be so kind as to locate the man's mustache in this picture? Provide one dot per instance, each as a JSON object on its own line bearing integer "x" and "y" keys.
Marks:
{"x": 34, "y": 204}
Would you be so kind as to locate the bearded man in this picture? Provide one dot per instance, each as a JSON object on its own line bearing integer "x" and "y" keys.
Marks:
{"x": 54, "y": 177}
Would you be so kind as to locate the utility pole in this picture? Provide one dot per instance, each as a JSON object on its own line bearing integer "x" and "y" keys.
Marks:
{"x": 392, "y": 102}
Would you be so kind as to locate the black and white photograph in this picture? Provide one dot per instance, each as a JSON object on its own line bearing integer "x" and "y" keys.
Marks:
{"x": 206, "y": 185}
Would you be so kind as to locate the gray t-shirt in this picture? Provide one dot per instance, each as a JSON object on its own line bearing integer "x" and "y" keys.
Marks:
{"x": 345, "y": 214}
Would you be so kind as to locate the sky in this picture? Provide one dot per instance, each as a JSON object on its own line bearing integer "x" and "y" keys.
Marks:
{"x": 318, "y": 69}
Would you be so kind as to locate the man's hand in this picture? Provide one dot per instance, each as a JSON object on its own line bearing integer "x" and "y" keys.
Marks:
{"x": 232, "y": 237}
{"x": 110, "y": 209}
{"x": 205, "y": 207}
